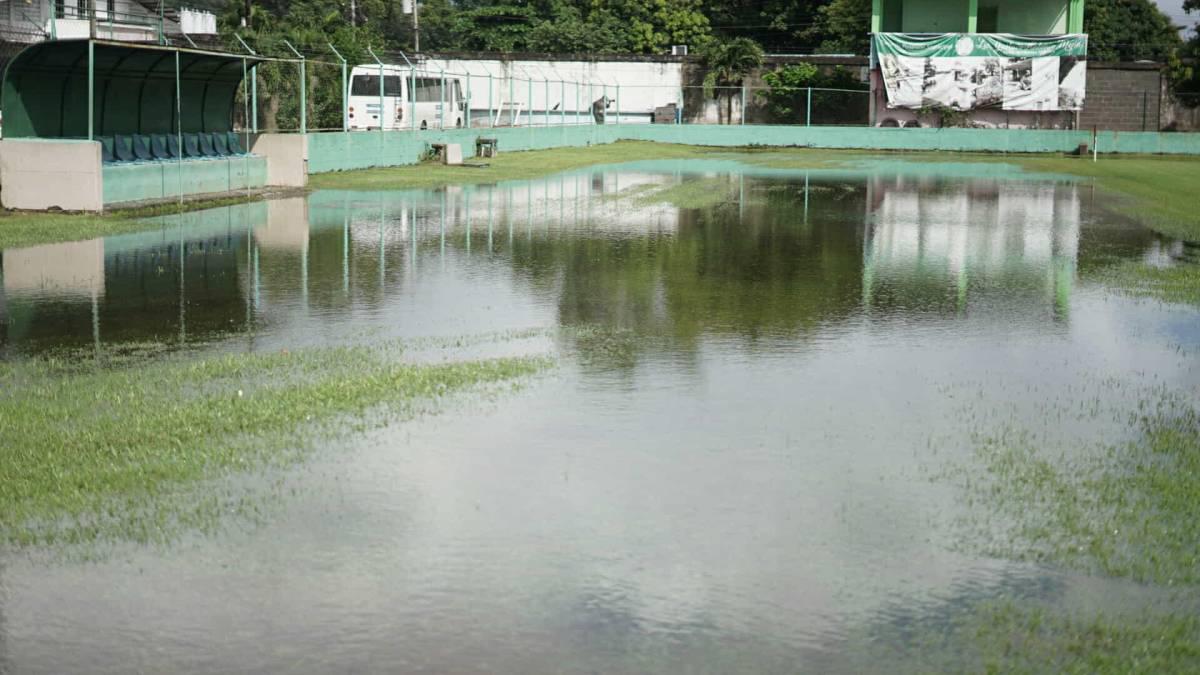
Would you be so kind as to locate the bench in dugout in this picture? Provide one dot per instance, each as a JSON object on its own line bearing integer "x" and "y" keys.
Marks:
{"x": 131, "y": 148}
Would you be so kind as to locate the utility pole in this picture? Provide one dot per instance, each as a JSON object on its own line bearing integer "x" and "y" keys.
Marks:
{"x": 416, "y": 26}
{"x": 92, "y": 19}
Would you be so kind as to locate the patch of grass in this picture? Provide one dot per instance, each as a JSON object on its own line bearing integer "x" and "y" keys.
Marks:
{"x": 1126, "y": 510}
{"x": 1160, "y": 192}
{"x": 703, "y": 193}
{"x": 504, "y": 166}
{"x": 30, "y": 228}
{"x": 1024, "y": 637}
{"x": 91, "y": 452}
{"x": 1175, "y": 284}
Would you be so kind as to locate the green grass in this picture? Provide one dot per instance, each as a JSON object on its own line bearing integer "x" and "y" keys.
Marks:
{"x": 1011, "y": 636}
{"x": 504, "y": 166}
{"x": 1177, "y": 284}
{"x": 1129, "y": 510}
{"x": 91, "y": 453}
{"x": 29, "y": 228}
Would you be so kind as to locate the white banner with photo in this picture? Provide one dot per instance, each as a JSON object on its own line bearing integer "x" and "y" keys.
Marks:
{"x": 967, "y": 72}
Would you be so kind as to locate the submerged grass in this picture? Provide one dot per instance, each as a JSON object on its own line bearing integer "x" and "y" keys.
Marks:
{"x": 1179, "y": 283}
{"x": 91, "y": 452}
{"x": 1128, "y": 510}
{"x": 28, "y": 228}
{"x": 1011, "y": 636}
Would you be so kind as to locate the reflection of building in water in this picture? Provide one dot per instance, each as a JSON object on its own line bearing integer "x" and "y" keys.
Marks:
{"x": 934, "y": 243}
{"x": 74, "y": 269}
{"x": 176, "y": 280}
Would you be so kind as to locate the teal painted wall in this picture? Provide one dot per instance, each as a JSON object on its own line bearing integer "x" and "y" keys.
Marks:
{"x": 934, "y": 16}
{"x": 342, "y": 151}
{"x": 160, "y": 180}
{"x": 1037, "y": 18}
{"x": 356, "y": 150}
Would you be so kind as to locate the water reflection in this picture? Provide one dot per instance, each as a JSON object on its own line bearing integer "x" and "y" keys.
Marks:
{"x": 726, "y": 478}
{"x": 771, "y": 254}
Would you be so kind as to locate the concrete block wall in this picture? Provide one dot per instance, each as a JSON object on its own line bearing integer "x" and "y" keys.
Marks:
{"x": 1123, "y": 97}
{"x": 41, "y": 174}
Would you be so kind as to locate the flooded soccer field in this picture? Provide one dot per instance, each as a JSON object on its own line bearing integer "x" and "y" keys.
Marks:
{"x": 709, "y": 416}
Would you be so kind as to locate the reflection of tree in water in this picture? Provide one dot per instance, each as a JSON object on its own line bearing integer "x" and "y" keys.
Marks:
{"x": 753, "y": 271}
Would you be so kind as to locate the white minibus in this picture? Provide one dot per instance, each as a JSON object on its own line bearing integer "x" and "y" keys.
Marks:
{"x": 434, "y": 108}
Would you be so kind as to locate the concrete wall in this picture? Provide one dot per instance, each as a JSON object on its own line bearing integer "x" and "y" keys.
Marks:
{"x": 1123, "y": 97}
{"x": 645, "y": 83}
{"x": 286, "y": 156}
{"x": 40, "y": 174}
{"x": 1028, "y": 18}
{"x": 160, "y": 180}
{"x": 934, "y": 16}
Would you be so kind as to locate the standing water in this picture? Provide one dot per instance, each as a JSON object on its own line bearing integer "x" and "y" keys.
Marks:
{"x": 733, "y": 468}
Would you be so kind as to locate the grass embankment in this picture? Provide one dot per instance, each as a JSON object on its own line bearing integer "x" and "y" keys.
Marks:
{"x": 29, "y": 228}
{"x": 91, "y": 452}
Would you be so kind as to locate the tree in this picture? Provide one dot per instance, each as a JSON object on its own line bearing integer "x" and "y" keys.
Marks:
{"x": 843, "y": 27}
{"x": 728, "y": 62}
{"x": 1130, "y": 30}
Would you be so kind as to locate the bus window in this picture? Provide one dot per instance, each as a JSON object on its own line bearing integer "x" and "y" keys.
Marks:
{"x": 429, "y": 90}
{"x": 368, "y": 85}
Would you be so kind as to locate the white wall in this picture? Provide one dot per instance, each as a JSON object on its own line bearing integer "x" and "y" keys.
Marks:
{"x": 643, "y": 86}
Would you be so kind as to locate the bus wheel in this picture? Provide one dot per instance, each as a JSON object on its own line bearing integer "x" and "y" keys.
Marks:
{"x": 458, "y": 123}
{"x": 424, "y": 125}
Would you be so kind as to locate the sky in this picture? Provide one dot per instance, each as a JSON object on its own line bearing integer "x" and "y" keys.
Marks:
{"x": 1174, "y": 9}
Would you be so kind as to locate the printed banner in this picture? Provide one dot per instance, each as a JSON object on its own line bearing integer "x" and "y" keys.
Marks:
{"x": 980, "y": 70}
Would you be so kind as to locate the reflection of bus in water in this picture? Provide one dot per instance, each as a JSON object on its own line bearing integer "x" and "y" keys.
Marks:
{"x": 434, "y": 108}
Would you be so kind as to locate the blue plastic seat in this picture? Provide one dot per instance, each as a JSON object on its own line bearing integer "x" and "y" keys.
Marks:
{"x": 106, "y": 149}
{"x": 173, "y": 148}
{"x": 206, "y": 144}
{"x": 235, "y": 143}
{"x": 221, "y": 144}
{"x": 141, "y": 148}
{"x": 123, "y": 148}
{"x": 191, "y": 146}
{"x": 158, "y": 147}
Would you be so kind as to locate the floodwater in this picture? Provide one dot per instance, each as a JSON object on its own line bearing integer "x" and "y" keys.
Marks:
{"x": 729, "y": 471}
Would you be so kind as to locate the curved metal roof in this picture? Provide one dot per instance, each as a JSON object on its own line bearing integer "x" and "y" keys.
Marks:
{"x": 46, "y": 87}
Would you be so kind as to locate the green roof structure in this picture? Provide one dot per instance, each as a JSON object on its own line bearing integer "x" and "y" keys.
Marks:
{"x": 130, "y": 88}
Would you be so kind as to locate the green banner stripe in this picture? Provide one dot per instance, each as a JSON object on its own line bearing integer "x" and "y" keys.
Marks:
{"x": 1003, "y": 45}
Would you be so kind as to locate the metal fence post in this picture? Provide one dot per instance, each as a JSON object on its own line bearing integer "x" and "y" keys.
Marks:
{"x": 743, "y": 105}
{"x": 562, "y": 105}
{"x": 345, "y": 90}
{"x": 304, "y": 91}
{"x": 512, "y": 110}
{"x": 467, "y": 107}
{"x": 619, "y": 105}
{"x": 491, "y": 119}
{"x": 529, "y": 104}
{"x": 808, "y": 109}
{"x": 547, "y": 100}
{"x": 253, "y": 87}
{"x": 442, "y": 109}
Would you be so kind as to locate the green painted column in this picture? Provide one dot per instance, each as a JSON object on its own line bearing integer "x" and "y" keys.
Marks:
{"x": 876, "y": 16}
{"x": 92, "y": 87}
{"x": 972, "y": 16}
{"x": 1075, "y": 16}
